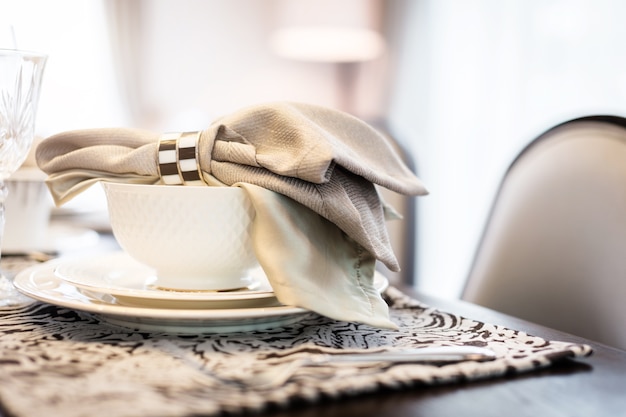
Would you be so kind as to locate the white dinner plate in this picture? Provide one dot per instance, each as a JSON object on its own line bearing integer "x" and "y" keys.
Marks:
{"x": 133, "y": 283}
{"x": 41, "y": 283}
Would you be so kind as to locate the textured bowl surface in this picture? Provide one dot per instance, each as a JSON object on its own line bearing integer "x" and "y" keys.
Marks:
{"x": 196, "y": 237}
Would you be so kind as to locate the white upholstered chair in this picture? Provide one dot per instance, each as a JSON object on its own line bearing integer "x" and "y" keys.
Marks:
{"x": 554, "y": 247}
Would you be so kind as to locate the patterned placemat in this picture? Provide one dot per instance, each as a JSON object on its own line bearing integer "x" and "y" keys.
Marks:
{"x": 56, "y": 361}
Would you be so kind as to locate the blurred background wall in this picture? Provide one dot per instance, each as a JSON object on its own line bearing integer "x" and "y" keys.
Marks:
{"x": 462, "y": 84}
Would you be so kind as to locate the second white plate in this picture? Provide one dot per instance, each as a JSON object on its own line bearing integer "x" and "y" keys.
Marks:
{"x": 131, "y": 283}
{"x": 40, "y": 282}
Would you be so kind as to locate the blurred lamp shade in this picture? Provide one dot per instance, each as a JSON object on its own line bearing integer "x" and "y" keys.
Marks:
{"x": 327, "y": 31}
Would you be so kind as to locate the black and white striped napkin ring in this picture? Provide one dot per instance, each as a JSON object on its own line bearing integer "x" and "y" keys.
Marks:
{"x": 178, "y": 159}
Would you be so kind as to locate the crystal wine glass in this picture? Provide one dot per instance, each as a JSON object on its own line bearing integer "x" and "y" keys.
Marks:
{"x": 20, "y": 80}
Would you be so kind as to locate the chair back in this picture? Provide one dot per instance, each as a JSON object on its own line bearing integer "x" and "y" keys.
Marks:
{"x": 402, "y": 232}
{"x": 554, "y": 247}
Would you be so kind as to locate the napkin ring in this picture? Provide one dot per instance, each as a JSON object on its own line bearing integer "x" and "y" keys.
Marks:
{"x": 178, "y": 159}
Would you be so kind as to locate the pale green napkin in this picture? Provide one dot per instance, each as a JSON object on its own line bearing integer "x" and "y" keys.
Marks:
{"x": 305, "y": 167}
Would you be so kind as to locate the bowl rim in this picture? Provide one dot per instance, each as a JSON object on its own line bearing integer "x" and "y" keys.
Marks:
{"x": 113, "y": 185}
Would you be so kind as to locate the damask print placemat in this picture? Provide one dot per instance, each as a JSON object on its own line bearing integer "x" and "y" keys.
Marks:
{"x": 57, "y": 361}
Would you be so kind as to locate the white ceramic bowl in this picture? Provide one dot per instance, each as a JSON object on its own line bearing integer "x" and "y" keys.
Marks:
{"x": 195, "y": 237}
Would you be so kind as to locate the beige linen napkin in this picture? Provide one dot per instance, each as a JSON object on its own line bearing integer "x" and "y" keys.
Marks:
{"x": 303, "y": 166}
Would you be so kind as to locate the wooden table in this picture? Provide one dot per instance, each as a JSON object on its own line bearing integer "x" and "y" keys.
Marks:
{"x": 590, "y": 387}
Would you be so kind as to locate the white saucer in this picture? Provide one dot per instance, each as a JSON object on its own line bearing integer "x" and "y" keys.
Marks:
{"x": 40, "y": 282}
{"x": 133, "y": 283}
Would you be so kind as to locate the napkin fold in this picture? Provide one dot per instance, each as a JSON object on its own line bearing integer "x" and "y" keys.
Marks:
{"x": 310, "y": 172}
